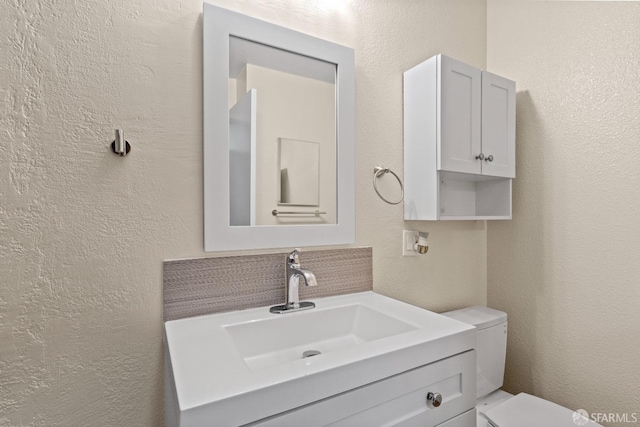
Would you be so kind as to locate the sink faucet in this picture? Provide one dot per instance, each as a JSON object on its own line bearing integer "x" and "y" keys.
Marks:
{"x": 294, "y": 274}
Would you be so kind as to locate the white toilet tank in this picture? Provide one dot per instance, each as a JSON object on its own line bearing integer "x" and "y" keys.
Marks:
{"x": 491, "y": 344}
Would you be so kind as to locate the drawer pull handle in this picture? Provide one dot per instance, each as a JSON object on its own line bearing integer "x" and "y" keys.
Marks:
{"x": 434, "y": 400}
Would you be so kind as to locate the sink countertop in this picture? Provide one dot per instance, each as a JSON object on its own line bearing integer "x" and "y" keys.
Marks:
{"x": 211, "y": 376}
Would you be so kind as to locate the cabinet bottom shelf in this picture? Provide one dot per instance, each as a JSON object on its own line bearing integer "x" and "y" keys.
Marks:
{"x": 461, "y": 198}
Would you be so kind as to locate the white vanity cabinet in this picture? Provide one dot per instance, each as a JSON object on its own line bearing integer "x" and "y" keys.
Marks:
{"x": 398, "y": 401}
{"x": 459, "y": 142}
{"x": 379, "y": 361}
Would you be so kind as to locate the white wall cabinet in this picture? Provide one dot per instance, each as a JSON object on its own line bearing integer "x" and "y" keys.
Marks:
{"x": 459, "y": 142}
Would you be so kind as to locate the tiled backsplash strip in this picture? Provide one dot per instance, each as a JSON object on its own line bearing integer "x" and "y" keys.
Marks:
{"x": 195, "y": 287}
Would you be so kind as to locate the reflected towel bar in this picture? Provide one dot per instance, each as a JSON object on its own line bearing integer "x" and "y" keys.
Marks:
{"x": 276, "y": 212}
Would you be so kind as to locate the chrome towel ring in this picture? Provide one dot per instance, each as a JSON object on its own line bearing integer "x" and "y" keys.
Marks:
{"x": 379, "y": 171}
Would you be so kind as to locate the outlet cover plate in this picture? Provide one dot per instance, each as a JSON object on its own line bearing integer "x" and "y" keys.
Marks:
{"x": 409, "y": 238}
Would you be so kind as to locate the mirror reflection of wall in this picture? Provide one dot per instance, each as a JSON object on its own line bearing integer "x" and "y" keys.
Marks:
{"x": 299, "y": 174}
{"x": 282, "y": 109}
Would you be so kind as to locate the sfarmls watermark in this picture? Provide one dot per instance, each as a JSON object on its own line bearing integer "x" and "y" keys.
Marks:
{"x": 582, "y": 417}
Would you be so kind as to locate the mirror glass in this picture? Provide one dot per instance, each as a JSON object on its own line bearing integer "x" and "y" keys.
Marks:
{"x": 278, "y": 131}
{"x": 282, "y": 137}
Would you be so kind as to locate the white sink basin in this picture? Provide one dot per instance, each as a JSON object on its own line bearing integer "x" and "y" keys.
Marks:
{"x": 238, "y": 367}
{"x": 285, "y": 338}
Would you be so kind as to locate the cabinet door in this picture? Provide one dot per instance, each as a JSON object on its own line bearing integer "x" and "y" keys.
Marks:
{"x": 498, "y": 126}
{"x": 460, "y": 107}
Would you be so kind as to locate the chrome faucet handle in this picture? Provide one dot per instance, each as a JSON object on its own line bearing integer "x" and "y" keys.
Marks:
{"x": 294, "y": 257}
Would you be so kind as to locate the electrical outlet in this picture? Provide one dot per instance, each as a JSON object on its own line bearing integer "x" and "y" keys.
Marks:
{"x": 409, "y": 238}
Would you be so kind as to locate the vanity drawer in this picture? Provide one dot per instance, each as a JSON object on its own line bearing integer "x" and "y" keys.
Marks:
{"x": 400, "y": 400}
{"x": 468, "y": 419}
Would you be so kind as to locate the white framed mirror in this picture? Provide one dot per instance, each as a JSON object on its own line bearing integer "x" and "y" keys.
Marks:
{"x": 278, "y": 136}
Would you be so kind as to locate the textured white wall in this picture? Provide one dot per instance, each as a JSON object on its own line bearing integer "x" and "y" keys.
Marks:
{"x": 566, "y": 268}
{"x": 83, "y": 233}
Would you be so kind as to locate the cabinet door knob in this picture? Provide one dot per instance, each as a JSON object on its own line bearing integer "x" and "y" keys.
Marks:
{"x": 480, "y": 156}
{"x": 489, "y": 158}
{"x": 434, "y": 400}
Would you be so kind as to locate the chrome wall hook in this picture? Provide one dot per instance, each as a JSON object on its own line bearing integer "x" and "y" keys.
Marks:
{"x": 119, "y": 145}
